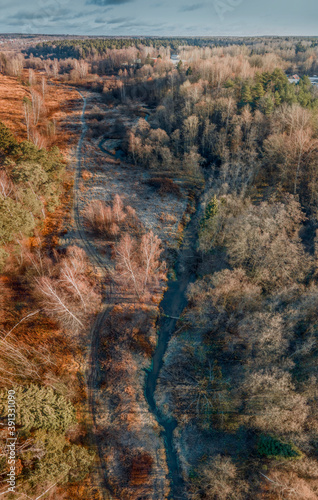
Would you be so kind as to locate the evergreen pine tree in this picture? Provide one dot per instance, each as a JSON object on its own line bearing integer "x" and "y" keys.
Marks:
{"x": 7, "y": 141}
{"x": 277, "y": 98}
{"x": 179, "y": 66}
{"x": 269, "y": 106}
{"x": 40, "y": 408}
{"x": 247, "y": 94}
{"x": 259, "y": 90}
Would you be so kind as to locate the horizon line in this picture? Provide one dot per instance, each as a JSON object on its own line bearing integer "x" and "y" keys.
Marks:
{"x": 158, "y": 36}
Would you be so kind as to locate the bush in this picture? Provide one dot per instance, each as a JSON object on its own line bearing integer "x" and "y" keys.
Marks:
{"x": 220, "y": 479}
{"x": 8, "y": 144}
{"x": 140, "y": 468}
{"x": 164, "y": 185}
{"x": 39, "y": 408}
{"x": 272, "y": 447}
{"x": 14, "y": 220}
{"x": 61, "y": 461}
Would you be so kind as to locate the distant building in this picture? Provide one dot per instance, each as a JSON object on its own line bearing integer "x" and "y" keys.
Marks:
{"x": 175, "y": 58}
{"x": 314, "y": 80}
{"x": 294, "y": 79}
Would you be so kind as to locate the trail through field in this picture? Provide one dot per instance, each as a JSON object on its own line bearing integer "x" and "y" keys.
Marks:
{"x": 93, "y": 376}
{"x": 89, "y": 247}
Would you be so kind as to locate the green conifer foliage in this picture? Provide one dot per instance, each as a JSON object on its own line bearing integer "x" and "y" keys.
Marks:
{"x": 247, "y": 94}
{"x": 40, "y": 408}
{"x": 271, "y": 447}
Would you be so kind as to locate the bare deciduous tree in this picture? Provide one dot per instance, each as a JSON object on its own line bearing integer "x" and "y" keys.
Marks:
{"x": 55, "y": 68}
{"x": 43, "y": 87}
{"x": 37, "y": 139}
{"x": 56, "y": 303}
{"x": 27, "y": 107}
{"x": 37, "y": 106}
{"x": 150, "y": 259}
{"x": 82, "y": 67}
{"x": 14, "y": 65}
{"x": 138, "y": 264}
{"x": 220, "y": 479}
{"x": 6, "y": 186}
{"x": 32, "y": 77}
{"x": 68, "y": 294}
{"x": 107, "y": 219}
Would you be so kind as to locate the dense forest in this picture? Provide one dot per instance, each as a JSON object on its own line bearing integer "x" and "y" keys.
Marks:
{"x": 297, "y": 51}
{"x": 223, "y": 405}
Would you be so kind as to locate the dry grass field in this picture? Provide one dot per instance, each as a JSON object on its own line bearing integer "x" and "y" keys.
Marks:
{"x": 59, "y": 103}
{"x": 11, "y": 109}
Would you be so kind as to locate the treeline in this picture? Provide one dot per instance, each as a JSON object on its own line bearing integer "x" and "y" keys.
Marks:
{"x": 31, "y": 185}
{"x": 252, "y": 128}
{"x": 68, "y": 58}
{"x": 90, "y": 47}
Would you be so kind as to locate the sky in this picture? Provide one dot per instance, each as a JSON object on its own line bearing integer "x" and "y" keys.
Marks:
{"x": 160, "y": 18}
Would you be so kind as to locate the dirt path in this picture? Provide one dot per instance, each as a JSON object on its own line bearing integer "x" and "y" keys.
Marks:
{"x": 91, "y": 250}
{"x": 93, "y": 376}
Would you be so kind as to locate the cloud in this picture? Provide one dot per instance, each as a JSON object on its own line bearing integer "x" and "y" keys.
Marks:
{"x": 35, "y": 21}
{"x": 134, "y": 24}
{"x": 119, "y": 20}
{"x": 54, "y": 13}
{"x": 140, "y": 27}
{"x": 100, "y": 21}
{"x": 116, "y": 20}
{"x": 190, "y": 8}
{"x": 103, "y": 3}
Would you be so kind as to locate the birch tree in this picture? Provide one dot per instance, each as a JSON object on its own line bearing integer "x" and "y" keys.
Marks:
{"x": 27, "y": 108}
{"x": 68, "y": 294}
{"x": 37, "y": 106}
{"x": 43, "y": 87}
{"x": 138, "y": 264}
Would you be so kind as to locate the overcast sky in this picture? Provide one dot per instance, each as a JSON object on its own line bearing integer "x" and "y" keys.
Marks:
{"x": 160, "y": 18}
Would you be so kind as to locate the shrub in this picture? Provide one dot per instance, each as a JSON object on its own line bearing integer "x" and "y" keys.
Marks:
{"x": 39, "y": 408}
{"x": 7, "y": 141}
{"x": 140, "y": 468}
{"x": 109, "y": 219}
{"x": 164, "y": 185}
{"x": 272, "y": 447}
{"x": 220, "y": 479}
{"x": 61, "y": 461}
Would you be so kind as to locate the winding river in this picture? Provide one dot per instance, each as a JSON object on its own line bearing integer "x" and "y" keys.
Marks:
{"x": 172, "y": 305}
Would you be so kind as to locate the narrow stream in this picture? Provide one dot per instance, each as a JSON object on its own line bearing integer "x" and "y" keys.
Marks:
{"x": 172, "y": 305}
{"x": 119, "y": 153}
